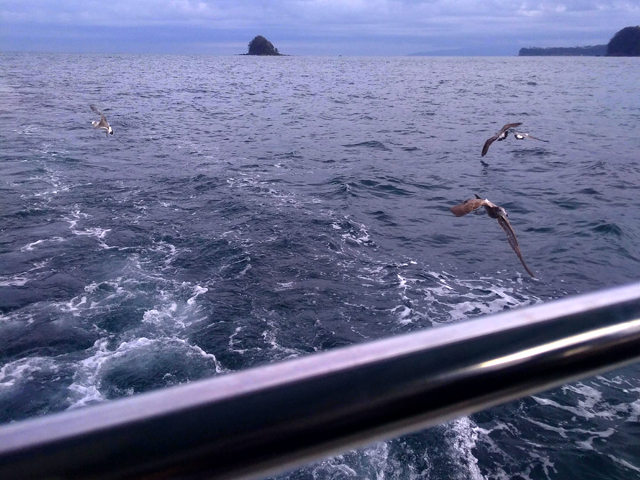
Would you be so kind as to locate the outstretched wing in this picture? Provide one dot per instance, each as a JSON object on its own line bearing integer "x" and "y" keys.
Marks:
{"x": 526, "y": 135}
{"x": 467, "y": 207}
{"x": 103, "y": 120}
{"x": 513, "y": 241}
{"x": 96, "y": 110}
{"x": 508, "y": 126}
{"x": 487, "y": 144}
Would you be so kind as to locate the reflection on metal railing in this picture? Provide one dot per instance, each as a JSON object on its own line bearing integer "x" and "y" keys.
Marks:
{"x": 269, "y": 419}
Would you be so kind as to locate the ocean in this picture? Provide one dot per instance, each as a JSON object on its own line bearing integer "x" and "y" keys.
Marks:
{"x": 250, "y": 209}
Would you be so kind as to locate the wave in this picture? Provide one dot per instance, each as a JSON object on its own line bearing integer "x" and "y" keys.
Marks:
{"x": 370, "y": 144}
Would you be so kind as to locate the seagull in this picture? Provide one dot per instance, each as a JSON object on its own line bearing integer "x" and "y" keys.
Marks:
{"x": 501, "y": 135}
{"x": 494, "y": 211}
{"x": 102, "y": 124}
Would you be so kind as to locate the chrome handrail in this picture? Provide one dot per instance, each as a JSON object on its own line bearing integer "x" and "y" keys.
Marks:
{"x": 265, "y": 420}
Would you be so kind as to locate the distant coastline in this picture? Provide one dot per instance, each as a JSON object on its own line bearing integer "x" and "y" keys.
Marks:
{"x": 588, "y": 51}
{"x": 625, "y": 43}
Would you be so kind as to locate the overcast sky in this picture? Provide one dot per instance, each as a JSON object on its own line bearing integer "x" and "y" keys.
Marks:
{"x": 310, "y": 27}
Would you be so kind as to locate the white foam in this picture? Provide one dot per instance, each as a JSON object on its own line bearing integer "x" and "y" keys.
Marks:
{"x": 357, "y": 234}
{"x": 376, "y": 464}
{"x": 590, "y": 406}
{"x": 85, "y": 387}
{"x": 75, "y": 217}
{"x": 281, "y": 286}
{"x": 197, "y": 291}
{"x": 232, "y": 341}
{"x": 634, "y": 408}
{"x": 167, "y": 249}
{"x": 588, "y": 443}
{"x": 246, "y": 259}
{"x": 162, "y": 316}
{"x": 461, "y": 443}
{"x": 51, "y": 177}
{"x": 96, "y": 232}
{"x": 547, "y": 465}
{"x": 483, "y": 296}
{"x": 279, "y": 352}
{"x": 13, "y": 280}
{"x": 575, "y": 410}
{"x": 624, "y": 463}
{"x": 403, "y": 312}
{"x": 559, "y": 430}
{"x": 22, "y": 369}
{"x": 31, "y": 246}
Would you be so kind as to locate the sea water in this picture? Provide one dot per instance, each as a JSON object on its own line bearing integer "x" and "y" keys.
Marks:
{"x": 249, "y": 210}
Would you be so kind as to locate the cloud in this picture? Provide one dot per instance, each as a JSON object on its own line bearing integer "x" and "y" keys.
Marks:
{"x": 329, "y": 26}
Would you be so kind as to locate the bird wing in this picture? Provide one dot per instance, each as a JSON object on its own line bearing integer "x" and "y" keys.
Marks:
{"x": 526, "y": 135}
{"x": 96, "y": 110}
{"x": 488, "y": 143}
{"x": 508, "y": 126}
{"x": 513, "y": 241}
{"x": 467, "y": 207}
{"x": 103, "y": 119}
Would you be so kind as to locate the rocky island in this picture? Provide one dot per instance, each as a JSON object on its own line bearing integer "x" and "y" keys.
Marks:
{"x": 625, "y": 43}
{"x": 261, "y": 46}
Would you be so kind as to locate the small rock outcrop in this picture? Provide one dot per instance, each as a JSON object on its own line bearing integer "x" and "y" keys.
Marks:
{"x": 261, "y": 46}
{"x": 625, "y": 43}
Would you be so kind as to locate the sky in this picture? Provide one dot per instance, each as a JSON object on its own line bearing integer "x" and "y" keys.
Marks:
{"x": 310, "y": 27}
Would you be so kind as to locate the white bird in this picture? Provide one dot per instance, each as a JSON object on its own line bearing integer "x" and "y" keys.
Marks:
{"x": 102, "y": 124}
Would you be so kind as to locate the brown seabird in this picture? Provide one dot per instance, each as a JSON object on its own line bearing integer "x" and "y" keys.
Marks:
{"x": 102, "y": 124}
{"x": 494, "y": 211}
{"x": 501, "y": 135}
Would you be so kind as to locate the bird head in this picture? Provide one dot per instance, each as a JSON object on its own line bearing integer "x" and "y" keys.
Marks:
{"x": 110, "y": 131}
{"x": 503, "y": 212}
{"x": 94, "y": 123}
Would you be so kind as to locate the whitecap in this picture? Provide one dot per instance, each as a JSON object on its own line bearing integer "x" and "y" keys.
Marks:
{"x": 22, "y": 369}
{"x": 624, "y": 463}
{"x": 197, "y": 291}
{"x": 13, "y": 280}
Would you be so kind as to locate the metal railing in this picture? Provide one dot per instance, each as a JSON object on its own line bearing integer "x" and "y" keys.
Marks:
{"x": 268, "y": 419}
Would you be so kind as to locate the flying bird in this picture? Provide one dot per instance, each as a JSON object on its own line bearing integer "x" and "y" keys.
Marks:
{"x": 494, "y": 211}
{"x": 102, "y": 124}
{"x": 501, "y": 135}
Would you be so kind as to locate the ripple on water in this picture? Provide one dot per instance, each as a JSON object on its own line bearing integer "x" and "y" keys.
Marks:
{"x": 606, "y": 228}
{"x": 374, "y": 144}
